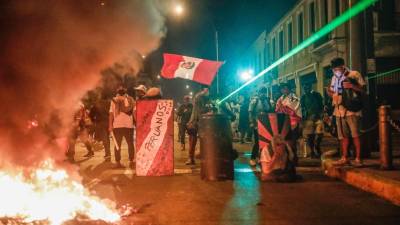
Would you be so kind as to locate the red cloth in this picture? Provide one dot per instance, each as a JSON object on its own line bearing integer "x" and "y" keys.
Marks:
{"x": 199, "y": 70}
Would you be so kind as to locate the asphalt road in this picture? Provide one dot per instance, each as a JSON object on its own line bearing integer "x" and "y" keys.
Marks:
{"x": 185, "y": 199}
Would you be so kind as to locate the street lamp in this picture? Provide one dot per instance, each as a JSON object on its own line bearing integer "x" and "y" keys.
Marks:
{"x": 246, "y": 74}
{"x": 178, "y": 9}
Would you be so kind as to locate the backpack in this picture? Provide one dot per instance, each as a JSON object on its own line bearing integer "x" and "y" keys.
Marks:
{"x": 351, "y": 100}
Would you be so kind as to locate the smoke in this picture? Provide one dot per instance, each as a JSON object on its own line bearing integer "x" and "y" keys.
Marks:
{"x": 51, "y": 54}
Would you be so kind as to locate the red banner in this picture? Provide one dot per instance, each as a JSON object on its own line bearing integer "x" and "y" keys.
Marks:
{"x": 154, "y": 138}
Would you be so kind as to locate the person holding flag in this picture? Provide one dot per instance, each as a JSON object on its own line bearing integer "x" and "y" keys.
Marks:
{"x": 201, "y": 71}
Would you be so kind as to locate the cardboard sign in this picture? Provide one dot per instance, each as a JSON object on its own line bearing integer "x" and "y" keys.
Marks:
{"x": 154, "y": 138}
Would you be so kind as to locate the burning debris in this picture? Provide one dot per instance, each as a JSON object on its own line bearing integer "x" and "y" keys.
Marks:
{"x": 49, "y": 194}
{"x": 52, "y": 54}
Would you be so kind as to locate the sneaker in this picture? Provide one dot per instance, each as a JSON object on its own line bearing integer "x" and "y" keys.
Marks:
{"x": 89, "y": 154}
{"x": 341, "y": 162}
{"x": 357, "y": 163}
{"x": 107, "y": 156}
{"x": 190, "y": 162}
{"x": 118, "y": 165}
{"x": 182, "y": 147}
{"x": 253, "y": 162}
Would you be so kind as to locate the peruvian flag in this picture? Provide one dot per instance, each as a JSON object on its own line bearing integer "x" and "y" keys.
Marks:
{"x": 199, "y": 70}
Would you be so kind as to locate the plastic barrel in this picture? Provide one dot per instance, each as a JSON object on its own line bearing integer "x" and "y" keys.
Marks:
{"x": 216, "y": 147}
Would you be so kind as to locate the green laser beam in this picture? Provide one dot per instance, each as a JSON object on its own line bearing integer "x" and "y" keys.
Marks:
{"x": 347, "y": 15}
{"x": 384, "y": 74}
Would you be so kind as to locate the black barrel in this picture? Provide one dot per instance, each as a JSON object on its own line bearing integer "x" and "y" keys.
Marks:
{"x": 216, "y": 147}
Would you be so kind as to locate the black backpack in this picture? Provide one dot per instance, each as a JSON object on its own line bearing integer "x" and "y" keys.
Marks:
{"x": 351, "y": 100}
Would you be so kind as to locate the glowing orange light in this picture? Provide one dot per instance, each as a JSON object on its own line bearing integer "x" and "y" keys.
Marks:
{"x": 49, "y": 194}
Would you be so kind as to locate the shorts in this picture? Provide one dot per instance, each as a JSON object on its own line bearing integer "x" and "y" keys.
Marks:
{"x": 313, "y": 127}
{"x": 348, "y": 126}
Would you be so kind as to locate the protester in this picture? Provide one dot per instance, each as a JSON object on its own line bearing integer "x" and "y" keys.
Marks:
{"x": 152, "y": 94}
{"x": 80, "y": 130}
{"x": 278, "y": 161}
{"x": 140, "y": 92}
{"x": 184, "y": 113}
{"x": 235, "y": 107}
{"x": 312, "y": 110}
{"x": 121, "y": 123}
{"x": 259, "y": 105}
{"x": 226, "y": 108}
{"x": 201, "y": 105}
{"x": 289, "y": 104}
{"x": 99, "y": 115}
{"x": 345, "y": 89}
{"x": 244, "y": 118}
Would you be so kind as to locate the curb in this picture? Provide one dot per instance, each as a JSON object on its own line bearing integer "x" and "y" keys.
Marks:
{"x": 388, "y": 189}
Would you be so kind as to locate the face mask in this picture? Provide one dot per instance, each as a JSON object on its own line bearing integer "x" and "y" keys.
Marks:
{"x": 338, "y": 73}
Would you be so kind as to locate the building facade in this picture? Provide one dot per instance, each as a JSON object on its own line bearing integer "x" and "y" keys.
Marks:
{"x": 369, "y": 42}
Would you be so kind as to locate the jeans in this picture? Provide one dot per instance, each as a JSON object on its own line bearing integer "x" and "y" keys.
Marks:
{"x": 101, "y": 134}
{"x": 256, "y": 147}
{"x": 126, "y": 133}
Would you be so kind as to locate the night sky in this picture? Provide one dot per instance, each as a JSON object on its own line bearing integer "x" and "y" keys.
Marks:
{"x": 239, "y": 22}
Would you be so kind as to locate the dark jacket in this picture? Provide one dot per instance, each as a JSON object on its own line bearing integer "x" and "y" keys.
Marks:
{"x": 184, "y": 112}
{"x": 257, "y": 106}
{"x": 311, "y": 105}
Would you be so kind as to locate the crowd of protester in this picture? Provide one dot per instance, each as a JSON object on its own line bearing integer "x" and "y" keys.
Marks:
{"x": 310, "y": 118}
{"x": 307, "y": 114}
{"x": 108, "y": 116}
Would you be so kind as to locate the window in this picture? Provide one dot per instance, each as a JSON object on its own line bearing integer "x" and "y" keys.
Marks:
{"x": 325, "y": 13}
{"x": 337, "y": 8}
{"x": 255, "y": 64}
{"x": 273, "y": 45}
{"x": 266, "y": 54}
{"x": 312, "y": 16}
{"x": 281, "y": 42}
{"x": 300, "y": 30}
{"x": 290, "y": 36}
{"x": 261, "y": 66}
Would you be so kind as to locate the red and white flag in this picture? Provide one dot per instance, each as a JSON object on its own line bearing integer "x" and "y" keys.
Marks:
{"x": 199, "y": 70}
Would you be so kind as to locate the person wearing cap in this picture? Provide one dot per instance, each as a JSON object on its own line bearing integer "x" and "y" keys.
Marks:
{"x": 121, "y": 123}
{"x": 140, "y": 92}
{"x": 184, "y": 112}
{"x": 259, "y": 105}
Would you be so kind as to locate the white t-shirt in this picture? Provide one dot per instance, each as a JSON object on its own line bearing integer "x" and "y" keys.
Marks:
{"x": 122, "y": 120}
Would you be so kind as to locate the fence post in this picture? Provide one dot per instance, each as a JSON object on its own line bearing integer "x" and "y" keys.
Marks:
{"x": 385, "y": 138}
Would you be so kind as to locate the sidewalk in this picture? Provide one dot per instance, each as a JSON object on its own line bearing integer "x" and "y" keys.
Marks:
{"x": 370, "y": 178}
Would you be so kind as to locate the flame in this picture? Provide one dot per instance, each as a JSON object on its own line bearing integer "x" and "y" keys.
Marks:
{"x": 49, "y": 194}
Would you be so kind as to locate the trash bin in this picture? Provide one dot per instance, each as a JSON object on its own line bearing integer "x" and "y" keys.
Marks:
{"x": 216, "y": 150}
